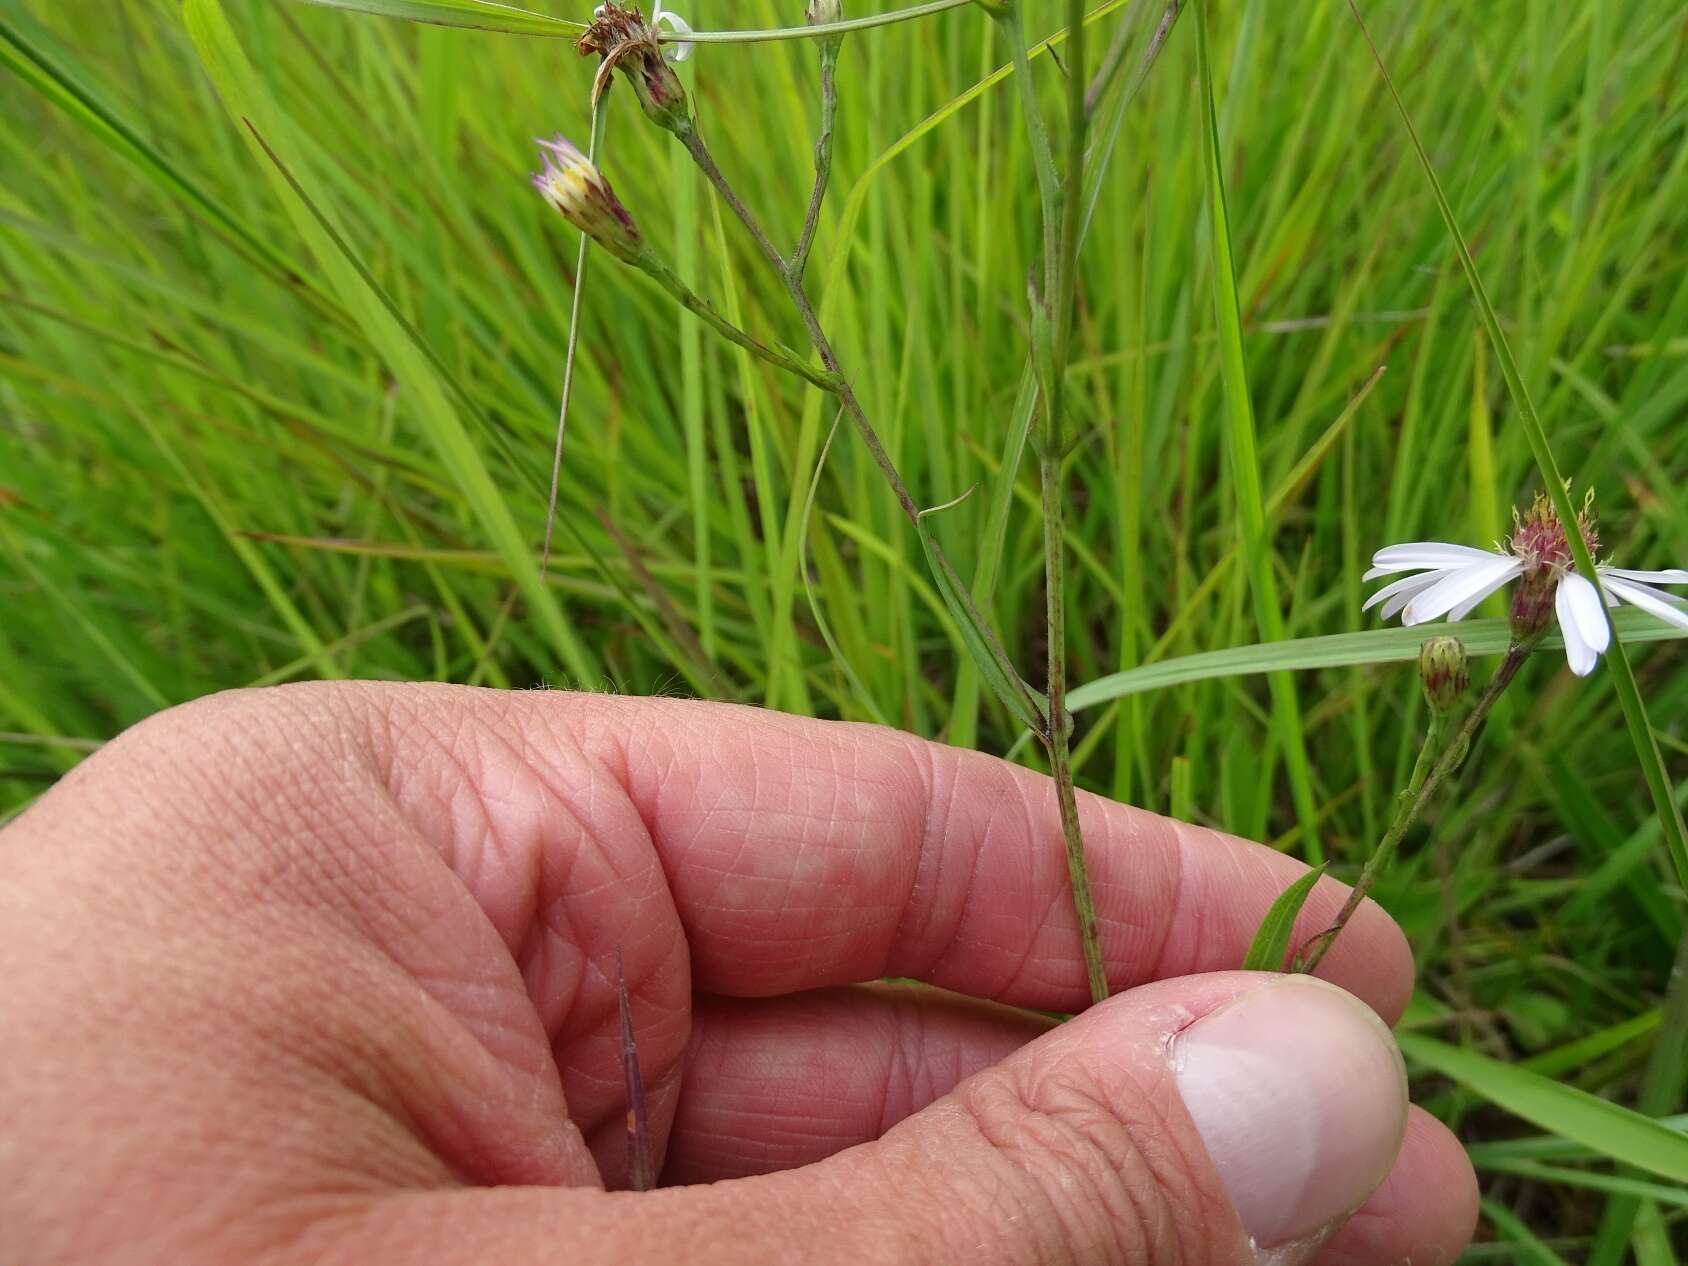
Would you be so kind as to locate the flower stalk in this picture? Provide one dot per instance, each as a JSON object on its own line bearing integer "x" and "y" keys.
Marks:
{"x": 790, "y": 276}
{"x": 820, "y": 13}
{"x": 1437, "y": 760}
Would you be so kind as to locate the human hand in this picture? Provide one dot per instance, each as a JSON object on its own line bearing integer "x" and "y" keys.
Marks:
{"x": 327, "y": 974}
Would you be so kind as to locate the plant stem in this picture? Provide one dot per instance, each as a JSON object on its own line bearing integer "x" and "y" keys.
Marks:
{"x": 1430, "y": 771}
{"x": 1062, "y": 227}
{"x": 695, "y": 303}
{"x": 1037, "y": 130}
{"x": 823, "y": 156}
{"x": 1060, "y": 761}
{"x": 567, "y": 394}
{"x": 839, "y": 386}
{"x": 825, "y": 31}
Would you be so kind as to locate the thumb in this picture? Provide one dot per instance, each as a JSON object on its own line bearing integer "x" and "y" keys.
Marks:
{"x": 1206, "y": 1119}
{"x": 1213, "y": 1119}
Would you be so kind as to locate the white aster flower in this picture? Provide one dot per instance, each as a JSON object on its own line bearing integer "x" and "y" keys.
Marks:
{"x": 1450, "y": 580}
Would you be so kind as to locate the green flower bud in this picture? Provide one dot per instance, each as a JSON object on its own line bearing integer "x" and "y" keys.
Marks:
{"x": 824, "y": 13}
{"x": 626, "y": 42}
{"x": 1444, "y": 673}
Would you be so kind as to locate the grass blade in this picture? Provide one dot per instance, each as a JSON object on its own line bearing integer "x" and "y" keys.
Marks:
{"x": 49, "y": 73}
{"x": 1604, "y": 1127}
{"x": 1336, "y": 650}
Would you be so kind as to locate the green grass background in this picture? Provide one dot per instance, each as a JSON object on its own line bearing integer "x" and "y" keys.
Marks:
{"x": 209, "y": 478}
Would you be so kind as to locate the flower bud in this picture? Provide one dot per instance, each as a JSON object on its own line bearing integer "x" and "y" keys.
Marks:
{"x": 626, "y": 42}
{"x": 577, "y": 189}
{"x": 824, "y": 13}
{"x": 1444, "y": 673}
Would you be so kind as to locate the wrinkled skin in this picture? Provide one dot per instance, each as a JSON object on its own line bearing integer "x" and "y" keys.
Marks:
{"x": 326, "y": 973}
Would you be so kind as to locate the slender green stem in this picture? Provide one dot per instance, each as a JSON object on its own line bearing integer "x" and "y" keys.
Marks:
{"x": 1062, "y": 227}
{"x": 699, "y": 150}
{"x": 702, "y": 308}
{"x": 821, "y": 31}
{"x": 823, "y": 156}
{"x": 1430, "y": 771}
{"x": 1060, "y": 760}
{"x": 839, "y": 385}
{"x": 580, "y": 265}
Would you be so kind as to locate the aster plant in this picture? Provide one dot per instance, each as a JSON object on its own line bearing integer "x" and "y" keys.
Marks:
{"x": 1451, "y": 580}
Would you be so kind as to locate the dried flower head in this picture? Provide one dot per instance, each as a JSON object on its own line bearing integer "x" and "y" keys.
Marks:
{"x": 1444, "y": 673}
{"x": 577, "y": 189}
{"x": 625, "y": 41}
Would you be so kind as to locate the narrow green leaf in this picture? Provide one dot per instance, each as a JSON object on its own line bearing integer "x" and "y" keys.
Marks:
{"x": 1271, "y": 942}
{"x": 1527, "y": 1247}
{"x": 1336, "y": 650}
{"x": 1604, "y": 1127}
{"x": 269, "y": 131}
{"x": 478, "y": 15}
{"x": 1593, "y": 1180}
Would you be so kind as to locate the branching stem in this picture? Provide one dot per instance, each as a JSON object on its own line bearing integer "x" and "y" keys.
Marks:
{"x": 823, "y": 157}
{"x": 695, "y": 303}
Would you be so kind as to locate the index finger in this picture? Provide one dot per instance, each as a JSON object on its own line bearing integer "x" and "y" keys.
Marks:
{"x": 803, "y": 853}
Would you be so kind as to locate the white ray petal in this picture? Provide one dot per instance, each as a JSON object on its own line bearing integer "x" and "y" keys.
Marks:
{"x": 1458, "y": 584}
{"x": 1406, "y": 584}
{"x": 1582, "y": 619}
{"x": 1465, "y": 608}
{"x": 674, "y": 22}
{"x": 1428, "y": 554}
{"x": 1650, "y": 601}
{"x": 1675, "y": 576}
{"x": 1419, "y": 584}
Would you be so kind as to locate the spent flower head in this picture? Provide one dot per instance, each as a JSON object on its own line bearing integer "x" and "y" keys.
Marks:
{"x": 1451, "y": 580}
{"x": 624, "y": 41}
{"x": 577, "y": 189}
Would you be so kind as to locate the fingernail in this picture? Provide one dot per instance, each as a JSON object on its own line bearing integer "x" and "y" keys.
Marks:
{"x": 1300, "y": 1096}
